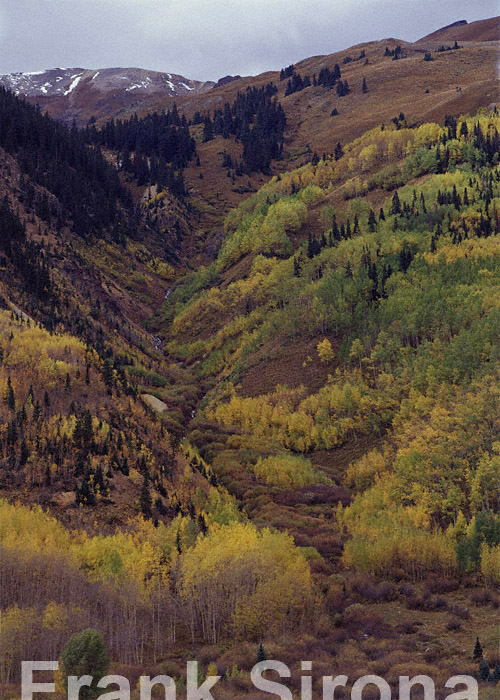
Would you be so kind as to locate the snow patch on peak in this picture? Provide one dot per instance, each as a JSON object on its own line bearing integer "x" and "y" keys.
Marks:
{"x": 73, "y": 85}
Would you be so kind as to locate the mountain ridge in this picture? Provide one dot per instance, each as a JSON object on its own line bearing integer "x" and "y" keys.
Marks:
{"x": 73, "y": 93}
{"x": 480, "y": 30}
{"x": 147, "y": 91}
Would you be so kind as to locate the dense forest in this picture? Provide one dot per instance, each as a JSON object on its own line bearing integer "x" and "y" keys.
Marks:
{"x": 154, "y": 149}
{"x": 256, "y": 119}
{"x": 85, "y": 187}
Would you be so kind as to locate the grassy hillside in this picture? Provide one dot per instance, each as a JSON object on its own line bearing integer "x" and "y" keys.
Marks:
{"x": 349, "y": 332}
{"x": 453, "y": 82}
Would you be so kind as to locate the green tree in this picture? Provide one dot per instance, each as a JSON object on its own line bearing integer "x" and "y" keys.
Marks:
{"x": 85, "y": 654}
{"x": 84, "y": 494}
{"x": 145, "y": 499}
{"x": 261, "y": 654}
{"x": 396, "y": 204}
{"x": 478, "y": 650}
{"x": 495, "y": 677}
{"x": 372, "y": 221}
{"x": 484, "y": 670}
{"x": 10, "y": 398}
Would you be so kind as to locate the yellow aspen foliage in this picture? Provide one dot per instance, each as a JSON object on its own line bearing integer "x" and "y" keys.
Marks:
{"x": 242, "y": 581}
{"x": 386, "y": 537}
{"x": 363, "y": 473}
{"x": 490, "y": 563}
{"x": 55, "y": 616}
{"x": 346, "y": 404}
{"x": 325, "y": 350}
{"x": 485, "y": 483}
{"x": 211, "y": 670}
{"x": 17, "y": 630}
{"x": 31, "y": 530}
{"x": 369, "y": 156}
{"x": 287, "y": 471}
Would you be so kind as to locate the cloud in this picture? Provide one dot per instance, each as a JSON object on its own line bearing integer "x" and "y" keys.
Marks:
{"x": 206, "y": 39}
{"x": 3, "y": 24}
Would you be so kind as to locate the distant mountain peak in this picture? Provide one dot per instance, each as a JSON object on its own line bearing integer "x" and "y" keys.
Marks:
{"x": 75, "y": 91}
{"x": 63, "y": 81}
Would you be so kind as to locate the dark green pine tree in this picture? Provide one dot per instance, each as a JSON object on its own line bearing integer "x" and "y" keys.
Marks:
{"x": 24, "y": 454}
{"x": 37, "y": 412}
{"x": 478, "y": 650}
{"x": 87, "y": 430}
{"x": 396, "y": 204}
{"x": 339, "y": 151}
{"x": 261, "y": 654}
{"x": 84, "y": 494}
{"x": 145, "y": 499}
{"x": 99, "y": 480}
{"x": 10, "y": 397}
{"x": 365, "y": 87}
{"x": 422, "y": 202}
{"x": 484, "y": 670}
{"x": 495, "y": 676}
{"x": 335, "y": 230}
{"x": 108, "y": 375}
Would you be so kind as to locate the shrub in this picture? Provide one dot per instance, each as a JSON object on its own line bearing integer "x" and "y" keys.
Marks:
{"x": 85, "y": 654}
{"x": 484, "y": 597}
{"x": 407, "y": 590}
{"x": 286, "y": 471}
{"x": 453, "y": 624}
{"x": 459, "y": 611}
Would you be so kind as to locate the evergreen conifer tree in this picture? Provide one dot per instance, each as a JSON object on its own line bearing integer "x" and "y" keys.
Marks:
{"x": 478, "y": 650}
{"x": 484, "y": 670}
{"x": 145, "y": 499}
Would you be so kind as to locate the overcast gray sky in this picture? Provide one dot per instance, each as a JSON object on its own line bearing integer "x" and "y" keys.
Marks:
{"x": 207, "y": 39}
